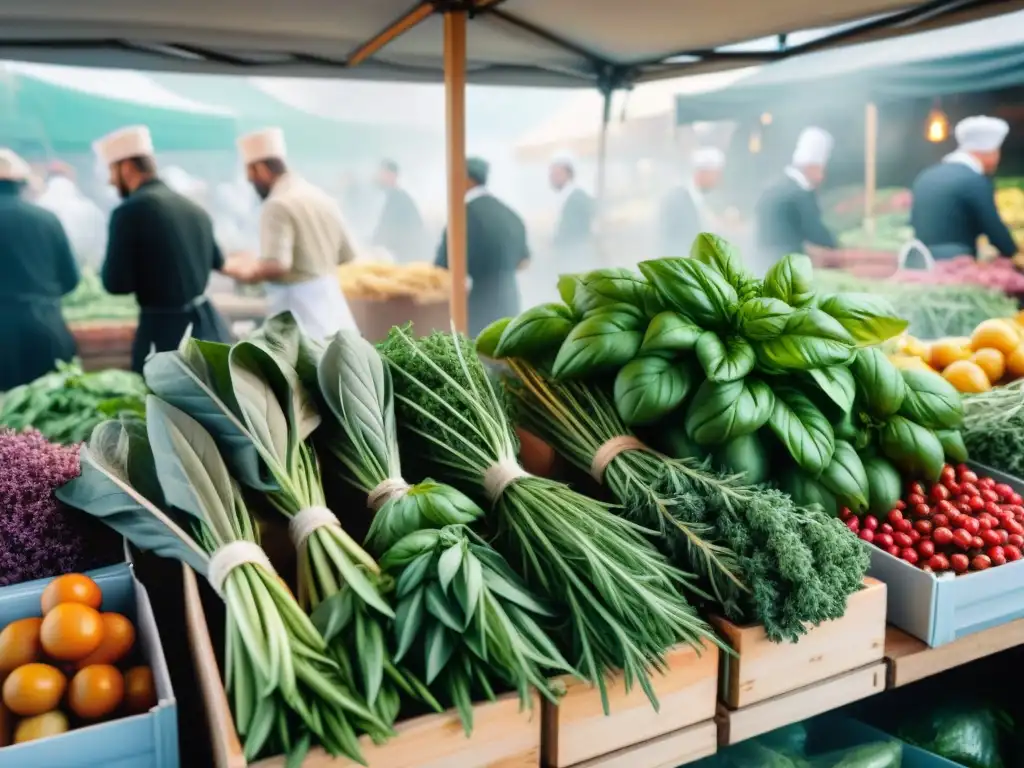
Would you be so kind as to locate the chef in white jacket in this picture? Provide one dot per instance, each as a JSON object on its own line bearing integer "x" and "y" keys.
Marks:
{"x": 302, "y": 240}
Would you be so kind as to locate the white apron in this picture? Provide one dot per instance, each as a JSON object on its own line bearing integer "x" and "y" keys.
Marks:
{"x": 318, "y": 305}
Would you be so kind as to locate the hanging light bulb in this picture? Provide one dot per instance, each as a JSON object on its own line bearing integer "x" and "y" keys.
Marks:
{"x": 754, "y": 144}
{"x": 937, "y": 127}
{"x": 766, "y": 118}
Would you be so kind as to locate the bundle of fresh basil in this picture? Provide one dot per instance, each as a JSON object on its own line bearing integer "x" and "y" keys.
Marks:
{"x": 769, "y": 378}
{"x": 163, "y": 485}
{"x": 463, "y": 617}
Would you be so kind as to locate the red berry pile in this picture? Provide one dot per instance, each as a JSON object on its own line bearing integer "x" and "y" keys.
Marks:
{"x": 962, "y": 523}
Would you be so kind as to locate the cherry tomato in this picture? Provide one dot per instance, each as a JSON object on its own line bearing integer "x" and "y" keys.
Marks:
{"x": 914, "y": 499}
{"x": 870, "y": 522}
{"x": 893, "y": 550}
{"x": 938, "y": 563}
{"x": 916, "y": 489}
{"x": 845, "y": 513}
{"x": 993, "y": 508}
{"x": 902, "y": 540}
{"x": 1004, "y": 537}
{"x": 895, "y": 516}
{"x": 948, "y": 473}
{"x": 924, "y": 527}
{"x": 990, "y": 537}
{"x": 939, "y": 493}
{"x": 954, "y": 487}
{"x": 963, "y": 507}
{"x": 945, "y": 508}
{"x": 942, "y": 536}
{"x": 967, "y": 475}
{"x": 883, "y": 540}
{"x": 925, "y": 548}
{"x": 900, "y": 504}
{"x": 960, "y": 562}
{"x": 886, "y": 528}
{"x": 1012, "y": 526}
{"x": 976, "y": 503}
{"x": 940, "y": 520}
{"x": 1014, "y": 540}
{"x": 1012, "y": 553}
{"x": 997, "y": 555}
{"x": 903, "y": 526}
{"x": 853, "y": 524}
{"x": 1003, "y": 490}
{"x": 981, "y": 562}
{"x": 989, "y": 495}
{"x": 921, "y": 510}
{"x": 1016, "y": 498}
{"x": 910, "y": 555}
{"x": 969, "y": 488}
{"x": 867, "y": 535}
{"x": 986, "y": 482}
{"x": 971, "y": 525}
{"x": 977, "y": 542}
{"x": 962, "y": 538}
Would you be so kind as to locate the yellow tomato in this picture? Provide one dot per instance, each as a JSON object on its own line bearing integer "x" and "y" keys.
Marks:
{"x": 139, "y": 690}
{"x": 96, "y": 691}
{"x": 41, "y": 726}
{"x": 908, "y": 362}
{"x": 967, "y": 377}
{"x": 33, "y": 689}
{"x": 1015, "y": 362}
{"x": 117, "y": 642}
{"x": 991, "y": 361}
{"x": 71, "y": 631}
{"x": 945, "y": 352}
{"x": 71, "y": 588}
{"x": 19, "y": 644}
{"x": 997, "y": 334}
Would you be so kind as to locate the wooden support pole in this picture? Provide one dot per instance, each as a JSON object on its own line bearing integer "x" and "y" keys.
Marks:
{"x": 455, "y": 129}
{"x": 870, "y": 165}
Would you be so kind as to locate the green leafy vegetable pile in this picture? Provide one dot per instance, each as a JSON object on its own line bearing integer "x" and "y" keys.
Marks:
{"x": 89, "y": 301}
{"x": 617, "y": 596}
{"x": 67, "y": 404}
{"x": 993, "y": 428}
{"x": 770, "y": 378}
{"x": 762, "y": 558}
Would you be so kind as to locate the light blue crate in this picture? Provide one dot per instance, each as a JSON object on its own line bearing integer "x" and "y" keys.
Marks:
{"x": 141, "y": 741}
{"x": 939, "y": 610}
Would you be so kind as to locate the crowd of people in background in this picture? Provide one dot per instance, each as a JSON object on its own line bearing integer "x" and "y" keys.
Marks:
{"x": 166, "y": 235}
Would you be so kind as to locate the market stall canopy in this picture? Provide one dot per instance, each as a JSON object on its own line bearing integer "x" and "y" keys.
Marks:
{"x": 64, "y": 109}
{"x": 520, "y": 42}
{"x": 576, "y": 126}
{"x": 981, "y": 56}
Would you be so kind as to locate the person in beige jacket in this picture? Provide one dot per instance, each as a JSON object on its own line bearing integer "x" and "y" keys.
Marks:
{"x": 302, "y": 240}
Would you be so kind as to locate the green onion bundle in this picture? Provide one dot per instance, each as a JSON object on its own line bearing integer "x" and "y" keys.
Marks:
{"x": 250, "y": 398}
{"x": 620, "y": 596}
{"x": 762, "y": 557}
{"x": 470, "y": 619}
{"x": 163, "y": 485}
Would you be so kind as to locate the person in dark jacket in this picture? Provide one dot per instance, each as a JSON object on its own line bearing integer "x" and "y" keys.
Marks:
{"x": 684, "y": 213}
{"x": 400, "y": 228}
{"x": 573, "y": 240}
{"x": 954, "y": 201}
{"x": 787, "y": 216}
{"x": 496, "y": 247}
{"x": 37, "y": 269}
{"x": 160, "y": 248}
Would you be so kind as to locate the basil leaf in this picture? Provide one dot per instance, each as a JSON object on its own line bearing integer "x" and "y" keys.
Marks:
{"x": 721, "y": 256}
{"x": 881, "y": 385}
{"x": 803, "y": 429}
{"x": 746, "y": 456}
{"x": 838, "y": 383}
{"x": 845, "y": 477}
{"x": 810, "y": 339}
{"x": 808, "y": 492}
{"x": 647, "y": 388}
{"x": 615, "y": 285}
{"x": 487, "y": 339}
{"x": 725, "y": 361}
{"x": 604, "y": 341}
{"x": 535, "y": 331}
{"x": 952, "y": 444}
{"x": 693, "y": 289}
{"x": 914, "y": 449}
{"x": 670, "y": 332}
{"x": 567, "y": 285}
{"x": 870, "y": 319}
{"x": 763, "y": 318}
{"x": 885, "y": 486}
{"x": 931, "y": 401}
{"x": 791, "y": 279}
{"x": 720, "y": 412}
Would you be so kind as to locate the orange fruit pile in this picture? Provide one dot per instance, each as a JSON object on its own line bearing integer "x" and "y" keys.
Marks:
{"x": 993, "y": 354}
{"x": 67, "y": 660}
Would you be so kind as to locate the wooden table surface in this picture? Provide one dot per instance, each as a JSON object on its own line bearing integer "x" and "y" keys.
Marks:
{"x": 911, "y": 660}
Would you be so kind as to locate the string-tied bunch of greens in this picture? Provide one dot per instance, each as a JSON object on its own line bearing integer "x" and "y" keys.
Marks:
{"x": 464, "y": 618}
{"x": 580, "y": 421}
{"x": 761, "y": 556}
{"x": 620, "y": 597}
{"x": 250, "y": 398}
{"x": 163, "y": 485}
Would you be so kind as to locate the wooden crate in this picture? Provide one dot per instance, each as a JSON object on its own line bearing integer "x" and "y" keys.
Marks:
{"x": 763, "y": 669}
{"x": 668, "y": 751}
{"x": 577, "y": 730}
{"x": 503, "y": 737}
{"x": 911, "y": 660}
{"x": 736, "y": 725}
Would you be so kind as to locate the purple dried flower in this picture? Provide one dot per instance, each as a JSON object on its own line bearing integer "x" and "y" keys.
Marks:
{"x": 39, "y": 536}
